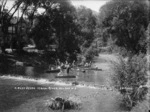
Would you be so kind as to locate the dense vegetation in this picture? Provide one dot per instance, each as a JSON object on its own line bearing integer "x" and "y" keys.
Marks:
{"x": 72, "y": 30}
{"x": 120, "y": 22}
{"x": 125, "y": 22}
{"x": 130, "y": 78}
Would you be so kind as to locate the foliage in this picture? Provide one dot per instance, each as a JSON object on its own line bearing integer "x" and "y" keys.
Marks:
{"x": 126, "y": 22}
{"x": 141, "y": 107}
{"x": 55, "y": 25}
{"x": 59, "y": 24}
{"x": 90, "y": 53}
{"x": 87, "y": 23}
{"x": 41, "y": 32}
{"x": 7, "y": 20}
{"x": 120, "y": 50}
{"x": 130, "y": 79}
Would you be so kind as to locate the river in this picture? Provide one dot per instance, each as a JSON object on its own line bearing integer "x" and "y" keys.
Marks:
{"x": 26, "y": 89}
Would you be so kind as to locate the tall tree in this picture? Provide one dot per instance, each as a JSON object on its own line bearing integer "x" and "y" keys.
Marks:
{"x": 126, "y": 22}
{"x": 57, "y": 19}
{"x": 6, "y": 17}
{"x": 87, "y": 23}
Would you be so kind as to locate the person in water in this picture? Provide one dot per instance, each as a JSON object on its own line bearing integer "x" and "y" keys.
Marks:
{"x": 68, "y": 67}
{"x": 60, "y": 67}
{"x": 51, "y": 67}
{"x": 73, "y": 63}
{"x": 57, "y": 62}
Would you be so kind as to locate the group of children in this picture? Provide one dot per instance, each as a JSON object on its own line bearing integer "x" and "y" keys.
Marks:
{"x": 88, "y": 64}
{"x": 66, "y": 65}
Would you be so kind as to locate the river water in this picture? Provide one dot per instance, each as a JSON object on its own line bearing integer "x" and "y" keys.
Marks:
{"x": 26, "y": 89}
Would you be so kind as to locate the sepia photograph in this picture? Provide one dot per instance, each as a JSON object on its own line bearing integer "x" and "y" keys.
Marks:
{"x": 74, "y": 55}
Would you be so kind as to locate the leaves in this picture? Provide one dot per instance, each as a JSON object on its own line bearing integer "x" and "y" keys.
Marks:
{"x": 131, "y": 74}
{"x": 86, "y": 22}
{"x": 126, "y": 21}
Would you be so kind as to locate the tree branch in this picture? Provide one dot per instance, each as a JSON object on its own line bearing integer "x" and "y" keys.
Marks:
{"x": 22, "y": 14}
{"x": 13, "y": 7}
{"x": 14, "y": 11}
{"x": 4, "y": 5}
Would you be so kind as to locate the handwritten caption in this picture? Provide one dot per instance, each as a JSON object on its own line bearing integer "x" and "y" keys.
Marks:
{"x": 44, "y": 88}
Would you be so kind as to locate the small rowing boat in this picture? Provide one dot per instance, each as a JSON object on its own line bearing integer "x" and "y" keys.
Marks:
{"x": 53, "y": 71}
{"x": 65, "y": 76}
{"x": 96, "y": 69}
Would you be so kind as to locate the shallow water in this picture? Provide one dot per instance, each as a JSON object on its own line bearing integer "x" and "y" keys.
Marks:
{"x": 22, "y": 87}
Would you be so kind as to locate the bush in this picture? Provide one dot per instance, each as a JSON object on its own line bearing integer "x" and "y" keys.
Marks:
{"x": 129, "y": 78}
{"x": 90, "y": 53}
{"x": 121, "y": 50}
{"x": 141, "y": 107}
{"x": 81, "y": 58}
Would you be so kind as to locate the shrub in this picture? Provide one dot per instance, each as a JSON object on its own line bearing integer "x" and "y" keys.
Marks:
{"x": 90, "y": 53}
{"x": 130, "y": 78}
{"x": 121, "y": 50}
{"x": 141, "y": 107}
{"x": 81, "y": 58}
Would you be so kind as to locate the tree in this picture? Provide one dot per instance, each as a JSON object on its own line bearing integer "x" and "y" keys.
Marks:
{"x": 57, "y": 19}
{"x": 126, "y": 22}
{"x": 86, "y": 22}
{"x": 6, "y": 17}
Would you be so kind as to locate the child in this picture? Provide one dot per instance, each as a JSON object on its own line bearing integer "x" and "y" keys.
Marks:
{"x": 68, "y": 68}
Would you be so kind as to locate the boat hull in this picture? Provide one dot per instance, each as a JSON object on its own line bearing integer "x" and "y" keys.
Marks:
{"x": 66, "y": 76}
{"x": 96, "y": 69}
{"x": 53, "y": 71}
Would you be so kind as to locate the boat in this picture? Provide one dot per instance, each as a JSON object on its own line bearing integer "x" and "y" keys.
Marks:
{"x": 96, "y": 69}
{"x": 65, "y": 76}
{"x": 53, "y": 71}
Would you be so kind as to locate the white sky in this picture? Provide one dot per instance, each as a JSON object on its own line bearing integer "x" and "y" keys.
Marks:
{"x": 92, "y": 4}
